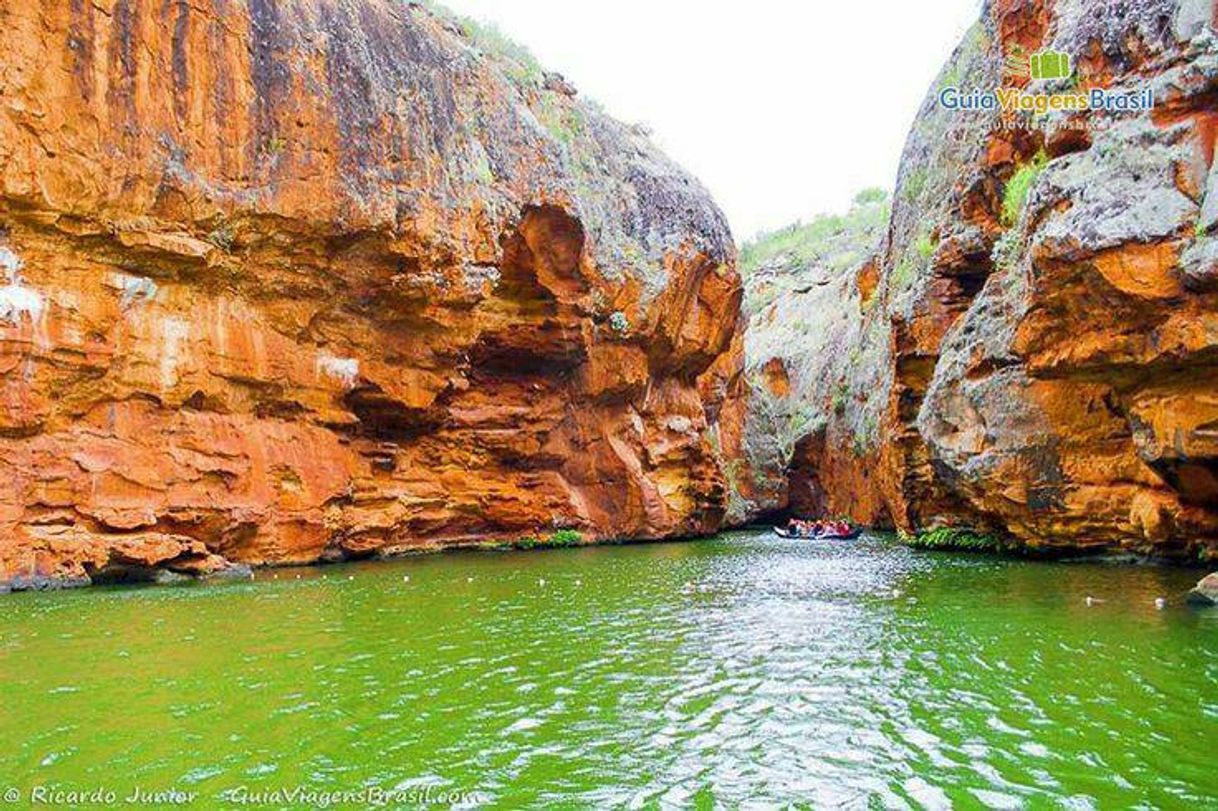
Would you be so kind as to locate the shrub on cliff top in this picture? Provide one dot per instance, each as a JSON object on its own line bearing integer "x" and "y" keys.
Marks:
{"x": 517, "y": 61}
{"x": 824, "y": 241}
{"x": 1015, "y": 195}
{"x": 870, "y": 196}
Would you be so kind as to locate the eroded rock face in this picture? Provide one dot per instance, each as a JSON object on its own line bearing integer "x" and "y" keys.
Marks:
{"x": 1206, "y": 592}
{"x": 807, "y": 290}
{"x": 291, "y": 281}
{"x": 1044, "y": 367}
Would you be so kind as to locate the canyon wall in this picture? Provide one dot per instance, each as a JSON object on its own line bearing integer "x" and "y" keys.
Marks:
{"x": 807, "y": 289}
{"x": 296, "y": 281}
{"x": 1032, "y": 348}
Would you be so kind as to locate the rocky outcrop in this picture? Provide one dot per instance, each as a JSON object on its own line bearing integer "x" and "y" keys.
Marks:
{"x": 292, "y": 281}
{"x": 1206, "y": 591}
{"x": 1038, "y": 324}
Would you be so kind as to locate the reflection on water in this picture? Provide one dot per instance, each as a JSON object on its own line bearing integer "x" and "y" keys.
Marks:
{"x": 740, "y": 668}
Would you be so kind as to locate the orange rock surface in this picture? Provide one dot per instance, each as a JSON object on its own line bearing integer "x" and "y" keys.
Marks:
{"x": 293, "y": 281}
{"x": 1039, "y": 366}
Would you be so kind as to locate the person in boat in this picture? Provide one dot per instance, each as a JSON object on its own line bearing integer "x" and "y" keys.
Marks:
{"x": 818, "y": 529}
{"x": 805, "y": 529}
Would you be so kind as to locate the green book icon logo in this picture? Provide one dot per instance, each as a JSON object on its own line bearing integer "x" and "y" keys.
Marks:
{"x": 1050, "y": 65}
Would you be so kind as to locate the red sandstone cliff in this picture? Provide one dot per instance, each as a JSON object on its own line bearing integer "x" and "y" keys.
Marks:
{"x": 289, "y": 281}
{"x": 1048, "y": 371}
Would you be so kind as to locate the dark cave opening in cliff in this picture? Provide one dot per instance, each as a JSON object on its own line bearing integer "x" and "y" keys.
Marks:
{"x": 115, "y": 574}
{"x": 777, "y": 517}
{"x": 384, "y": 418}
{"x": 813, "y": 486}
{"x": 806, "y": 495}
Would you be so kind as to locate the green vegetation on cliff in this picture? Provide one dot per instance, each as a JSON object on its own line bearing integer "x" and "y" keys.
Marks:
{"x": 809, "y": 357}
{"x": 562, "y": 539}
{"x": 516, "y": 60}
{"x": 1015, "y": 195}
{"x": 834, "y": 240}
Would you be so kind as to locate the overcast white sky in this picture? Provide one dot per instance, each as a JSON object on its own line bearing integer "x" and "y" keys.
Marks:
{"x": 783, "y": 108}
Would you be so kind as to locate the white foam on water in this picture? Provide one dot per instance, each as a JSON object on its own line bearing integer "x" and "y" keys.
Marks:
{"x": 523, "y": 725}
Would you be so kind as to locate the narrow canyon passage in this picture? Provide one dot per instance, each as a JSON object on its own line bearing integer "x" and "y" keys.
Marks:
{"x": 427, "y": 436}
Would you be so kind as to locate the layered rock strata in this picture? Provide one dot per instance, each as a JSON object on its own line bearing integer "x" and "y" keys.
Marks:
{"x": 297, "y": 281}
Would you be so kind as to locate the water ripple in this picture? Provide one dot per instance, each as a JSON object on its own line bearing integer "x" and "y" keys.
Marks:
{"x": 744, "y": 670}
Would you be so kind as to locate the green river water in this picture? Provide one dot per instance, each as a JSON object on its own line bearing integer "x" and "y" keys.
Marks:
{"x": 788, "y": 673}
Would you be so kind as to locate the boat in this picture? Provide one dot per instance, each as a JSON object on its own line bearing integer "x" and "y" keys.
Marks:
{"x": 831, "y": 536}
